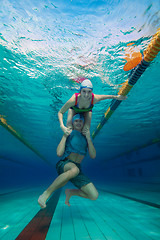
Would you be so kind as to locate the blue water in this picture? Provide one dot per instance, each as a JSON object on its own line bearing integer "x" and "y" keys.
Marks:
{"x": 44, "y": 47}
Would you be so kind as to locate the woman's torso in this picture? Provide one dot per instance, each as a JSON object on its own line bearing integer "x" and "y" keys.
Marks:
{"x": 83, "y": 105}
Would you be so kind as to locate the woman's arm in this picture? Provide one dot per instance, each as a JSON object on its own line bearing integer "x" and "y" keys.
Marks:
{"x": 91, "y": 148}
{"x": 66, "y": 106}
{"x": 98, "y": 98}
{"x": 61, "y": 146}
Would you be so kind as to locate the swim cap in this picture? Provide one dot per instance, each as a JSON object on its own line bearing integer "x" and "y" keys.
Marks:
{"x": 78, "y": 116}
{"x": 86, "y": 84}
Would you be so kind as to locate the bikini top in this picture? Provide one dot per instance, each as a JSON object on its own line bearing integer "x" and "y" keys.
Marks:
{"x": 80, "y": 110}
{"x": 76, "y": 143}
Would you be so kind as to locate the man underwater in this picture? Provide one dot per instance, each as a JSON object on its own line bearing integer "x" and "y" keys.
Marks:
{"x": 72, "y": 149}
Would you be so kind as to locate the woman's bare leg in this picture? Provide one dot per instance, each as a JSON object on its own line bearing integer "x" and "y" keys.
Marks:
{"x": 87, "y": 123}
{"x": 88, "y": 191}
{"x": 70, "y": 171}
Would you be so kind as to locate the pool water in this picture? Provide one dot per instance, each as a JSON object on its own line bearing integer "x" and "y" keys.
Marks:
{"x": 46, "y": 49}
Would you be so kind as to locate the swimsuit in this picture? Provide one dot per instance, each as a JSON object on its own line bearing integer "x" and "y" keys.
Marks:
{"x": 80, "y": 110}
{"x": 76, "y": 143}
{"x": 80, "y": 180}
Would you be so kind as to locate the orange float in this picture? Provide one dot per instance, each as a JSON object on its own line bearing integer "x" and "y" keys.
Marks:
{"x": 133, "y": 58}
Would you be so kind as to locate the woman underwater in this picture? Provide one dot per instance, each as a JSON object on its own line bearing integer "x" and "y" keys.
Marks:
{"x": 82, "y": 102}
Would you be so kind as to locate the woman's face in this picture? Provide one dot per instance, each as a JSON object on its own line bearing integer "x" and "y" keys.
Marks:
{"x": 86, "y": 93}
{"x": 78, "y": 124}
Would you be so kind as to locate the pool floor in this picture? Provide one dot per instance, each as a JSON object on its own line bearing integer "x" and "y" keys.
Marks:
{"x": 120, "y": 213}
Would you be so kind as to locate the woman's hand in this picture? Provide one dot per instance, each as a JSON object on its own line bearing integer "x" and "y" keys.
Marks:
{"x": 67, "y": 131}
{"x": 121, "y": 97}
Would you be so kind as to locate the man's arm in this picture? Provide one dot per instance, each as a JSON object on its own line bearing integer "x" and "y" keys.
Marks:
{"x": 61, "y": 146}
{"x": 91, "y": 148}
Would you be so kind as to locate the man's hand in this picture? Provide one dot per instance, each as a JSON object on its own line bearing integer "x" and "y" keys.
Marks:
{"x": 86, "y": 132}
{"x": 91, "y": 148}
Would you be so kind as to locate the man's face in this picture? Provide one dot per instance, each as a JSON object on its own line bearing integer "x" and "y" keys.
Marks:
{"x": 78, "y": 124}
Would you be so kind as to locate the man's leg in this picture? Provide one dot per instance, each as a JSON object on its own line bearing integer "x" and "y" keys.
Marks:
{"x": 88, "y": 191}
{"x": 70, "y": 171}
